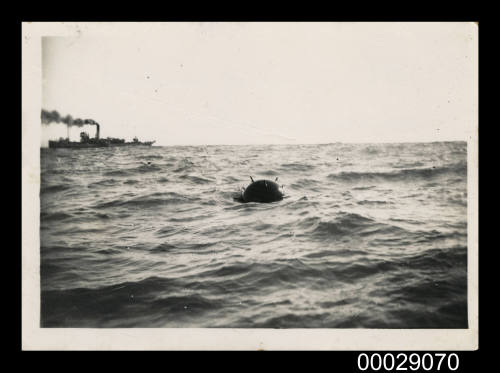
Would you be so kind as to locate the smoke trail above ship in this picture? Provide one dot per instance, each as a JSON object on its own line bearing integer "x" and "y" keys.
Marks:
{"x": 53, "y": 116}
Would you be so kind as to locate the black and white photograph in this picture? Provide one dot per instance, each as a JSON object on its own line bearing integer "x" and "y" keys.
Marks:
{"x": 255, "y": 175}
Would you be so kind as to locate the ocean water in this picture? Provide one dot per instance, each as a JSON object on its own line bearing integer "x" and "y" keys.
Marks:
{"x": 367, "y": 236}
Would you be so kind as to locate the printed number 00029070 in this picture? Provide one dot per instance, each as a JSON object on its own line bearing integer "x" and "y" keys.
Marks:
{"x": 402, "y": 361}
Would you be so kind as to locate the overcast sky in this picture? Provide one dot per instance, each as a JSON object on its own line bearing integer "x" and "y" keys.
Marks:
{"x": 250, "y": 83}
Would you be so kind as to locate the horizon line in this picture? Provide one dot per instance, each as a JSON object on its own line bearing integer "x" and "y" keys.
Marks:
{"x": 323, "y": 143}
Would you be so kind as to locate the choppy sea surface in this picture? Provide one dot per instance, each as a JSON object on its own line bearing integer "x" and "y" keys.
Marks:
{"x": 368, "y": 236}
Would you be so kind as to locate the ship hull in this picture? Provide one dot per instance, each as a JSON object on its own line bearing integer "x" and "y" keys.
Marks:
{"x": 79, "y": 145}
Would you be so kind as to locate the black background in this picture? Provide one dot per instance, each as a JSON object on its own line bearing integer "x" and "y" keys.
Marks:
{"x": 331, "y": 361}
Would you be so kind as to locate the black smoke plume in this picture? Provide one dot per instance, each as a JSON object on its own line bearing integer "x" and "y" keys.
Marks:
{"x": 54, "y": 117}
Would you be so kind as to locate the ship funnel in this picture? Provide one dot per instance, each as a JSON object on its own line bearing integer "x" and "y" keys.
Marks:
{"x": 97, "y": 131}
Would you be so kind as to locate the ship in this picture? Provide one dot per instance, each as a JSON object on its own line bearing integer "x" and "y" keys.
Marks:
{"x": 96, "y": 142}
